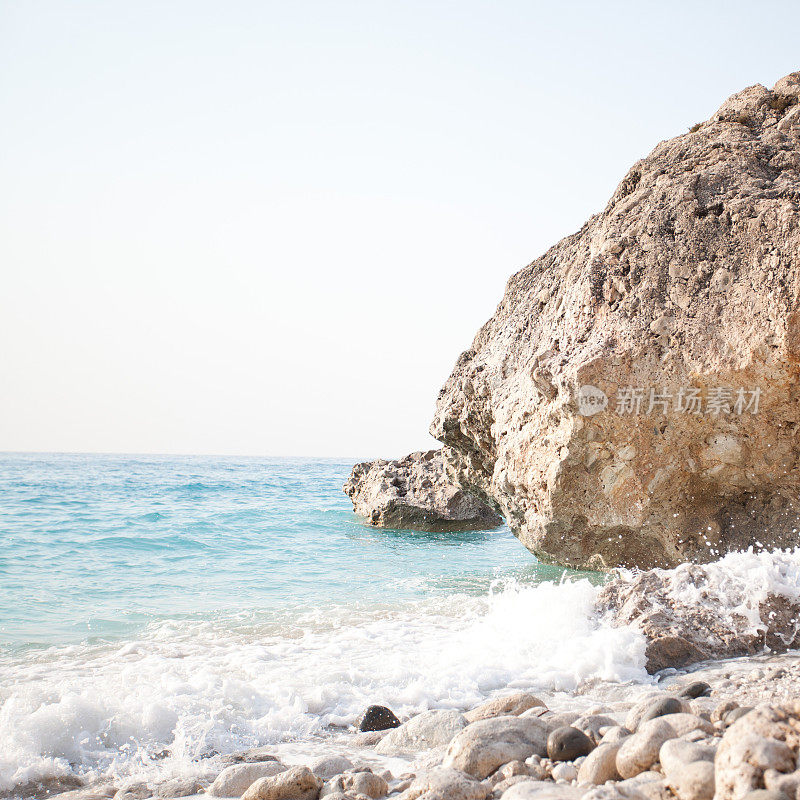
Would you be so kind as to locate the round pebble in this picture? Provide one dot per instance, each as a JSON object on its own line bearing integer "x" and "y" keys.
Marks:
{"x": 695, "y": 690}
{"x": 568, "y": 743}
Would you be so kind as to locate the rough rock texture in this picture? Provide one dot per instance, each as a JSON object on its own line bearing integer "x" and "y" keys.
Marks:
{"x": 638, "y": 753}
{"x": 429, "y": 729}
{"x": 600, "y": 765}
{"x": 758, "y": 751}
{"x": 485, "y": 745}
{"x": 415, "y": 493}
{"x": 297, "y": 783}
{"x": 441, "y": 783}
{"x": 236, "y": 779}
{"x": 356, "y": 783}
{"x": 688, "y": 279}
{"x": 692, "y": 614}
{"x": 507, "y": 706}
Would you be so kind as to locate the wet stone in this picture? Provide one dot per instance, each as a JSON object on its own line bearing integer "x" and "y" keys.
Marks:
{"x": 568, "y": 743}
{"x": 378, "y": 718}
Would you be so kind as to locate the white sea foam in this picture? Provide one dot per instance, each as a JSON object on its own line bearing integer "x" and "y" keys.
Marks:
{"x": 191, "y": 687}
{"x": 735, "y": 586}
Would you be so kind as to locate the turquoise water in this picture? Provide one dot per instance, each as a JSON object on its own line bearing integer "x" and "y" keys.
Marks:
{"x": 193, "y": 606}
{"x": 157, "y": 611}
{"x": 97, "y": 547}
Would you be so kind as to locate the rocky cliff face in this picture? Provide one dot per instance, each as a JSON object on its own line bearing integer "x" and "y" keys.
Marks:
{"x": 415, "y": 492}
{"x": 634, "y": 399}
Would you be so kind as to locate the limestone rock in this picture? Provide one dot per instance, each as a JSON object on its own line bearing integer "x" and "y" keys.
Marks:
{"x": 564, "y": 771}
{"x": 542, "y": 790}
{"x": 676, "y": 754}
{"x": 552, "y": 720}
{"x": 764, "y": 743}
{"x": 254, "y": 754}
{"x": 574, "y": 410}
{"x": 680, "y": 632}
{"x": 511, "y": 705}
{"x": 485, "y": 745}
{"x": 513, "y": 769}
{"x": 369, "y": 738}
{"x": 600, "y": 765}
{"x": 650, "y": 707}
{"x": 443, "y": 783}
{"x": 638, "y": 753}
{"x": 102, "y": 791}
{"x": 615, "y": 735}
{"x": 645, "y": 786}
{"x": 501, "y": 787}
{"x": 694, "y": 782}
{"x": 330, "y": 766}
{"x": 179, "y": 787}
{"x": 592, "y": 724}
{"x": 236, "y": 779}
{"x": 416, "y": 492}
{"x": 296, "y": 783}
{"x": 357, "y": 783}
{"x": 133, "y": 790}
{"x": 683, "y": 724}
{"x": 426, "y": 730}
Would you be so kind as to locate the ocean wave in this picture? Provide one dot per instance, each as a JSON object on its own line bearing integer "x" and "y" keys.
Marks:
{"x": 189, "y": 687}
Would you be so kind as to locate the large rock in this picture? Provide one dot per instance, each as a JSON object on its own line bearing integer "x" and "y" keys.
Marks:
{"x": 296, "y": 783}
{"x": 485, "y": 745}
{"x": 507, "y": 706}
{"x": 430, "y": 729}
{"x": 697, "y": 612}
{"x": 686, "y": 284}
{"x": 415, "y": 492}
{"x": 364, "y": 783}
{"x": 639, "y": 753}
{"x": 600, "y": 765}
{"x": 236, "y": 779}
{"x": 542, "y": 790}
{"x": 757, "y": 750}
{"x": 327, "y": 767}
{"x": 443, "y": 783}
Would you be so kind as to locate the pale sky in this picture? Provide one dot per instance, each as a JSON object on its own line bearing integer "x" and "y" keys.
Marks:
{"x": 270, "y": 228}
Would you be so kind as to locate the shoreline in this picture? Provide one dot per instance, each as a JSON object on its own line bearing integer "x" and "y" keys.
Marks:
{"x": 736, "y": 682}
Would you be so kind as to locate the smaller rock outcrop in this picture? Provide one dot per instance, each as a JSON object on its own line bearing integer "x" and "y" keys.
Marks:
{"x": 694, "y": 613}
{"x": 415, "y": 492}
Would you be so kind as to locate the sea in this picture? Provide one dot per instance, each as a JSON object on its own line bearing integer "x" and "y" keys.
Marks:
{"x": 158, "y": 612}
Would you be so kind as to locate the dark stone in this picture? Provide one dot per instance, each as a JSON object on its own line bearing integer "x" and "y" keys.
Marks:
{"x": 567, "y": 744}
{"x": 736, "y": 713}
{"x": 662, "y": 707}
{"x": 378, "y": 718}
{"x": 696, "y": 689}
{"x": 671, "y": 652}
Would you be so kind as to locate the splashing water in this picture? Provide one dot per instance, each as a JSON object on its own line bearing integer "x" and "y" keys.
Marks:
{"x": 155, "y": 611}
